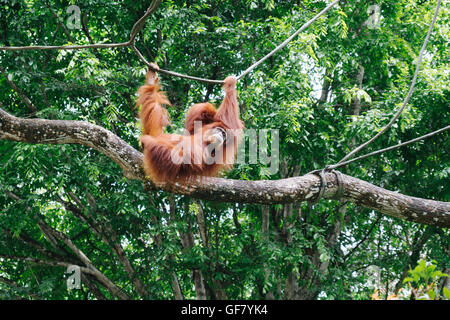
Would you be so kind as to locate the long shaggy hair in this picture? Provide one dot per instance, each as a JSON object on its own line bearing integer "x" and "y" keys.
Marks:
{"x": 209, "y": 145}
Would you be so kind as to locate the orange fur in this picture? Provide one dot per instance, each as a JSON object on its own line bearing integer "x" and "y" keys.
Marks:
{"x": 164, "y": 153}
{"x": 153, "y": 115}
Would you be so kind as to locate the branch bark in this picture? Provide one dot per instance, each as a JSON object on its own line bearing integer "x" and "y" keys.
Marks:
{"x": 289, "y": 190}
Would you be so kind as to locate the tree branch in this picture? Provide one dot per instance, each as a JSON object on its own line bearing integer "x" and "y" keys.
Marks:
{"x": 111, "y": 286}
{"x": 89, "y": 269}
{"x": 44, "y": 262}
{"x": 108, "y": 235}
{"x": 289, "y": 190}
{"x": 19, "y": 92}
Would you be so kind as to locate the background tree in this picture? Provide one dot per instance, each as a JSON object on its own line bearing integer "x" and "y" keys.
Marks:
{"x": 329, "y": 90}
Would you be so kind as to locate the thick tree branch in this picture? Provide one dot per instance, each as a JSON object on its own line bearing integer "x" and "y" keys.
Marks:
{"x": 73, "y": 132}
{"x": 288, "y": 190}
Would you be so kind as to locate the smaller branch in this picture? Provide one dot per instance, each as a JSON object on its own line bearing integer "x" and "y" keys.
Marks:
{"x": 63, "y": 27}
{"x": 174, "y": 283}
{"x": 8, "y": 282}
{"x": 91, "y": 283}
{"x": 141, "y": 22}
{"x": 47, "y": 235}
{"x": 19, "y": 92}
{"x": 27, "y": 240}
{"x": 111, "y": 286}
{"x": 108, "y": 236}
{"x": 15, "y": 286}
{"x": 46, "y": 262}
{"x": 41, "y": 84}
{"x": 202, "y": 228}
{"x": 416, "y": 248}
{"x": 50, "y": 231}
{"x": 67, "y": 47}
{"x": 85, "y": 28}
{"x": 363, "y": 239}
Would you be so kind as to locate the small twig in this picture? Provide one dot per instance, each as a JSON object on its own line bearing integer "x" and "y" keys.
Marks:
{"x": 60, "y": 24}
{"x": 363, "y": 239}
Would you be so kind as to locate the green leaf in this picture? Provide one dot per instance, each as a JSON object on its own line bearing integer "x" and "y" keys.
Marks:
{"x": 446, "y": 292}
{"x": 431, "y": 294}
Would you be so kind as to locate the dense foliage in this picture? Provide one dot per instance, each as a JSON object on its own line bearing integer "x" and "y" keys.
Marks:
{"x": 329, "y": 90}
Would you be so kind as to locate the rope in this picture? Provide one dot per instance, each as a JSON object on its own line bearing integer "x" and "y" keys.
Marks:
{"x": 342, "y": 164}
{"x": 340, "y": 183}
{"x": 285, "y": 42}
{"x": 171, "y": 73}
{"x": 339, "y": 177}
{"x": 138, "y": 27}
{"x": 323, "y": 185}
{"x": 253, "y": 66}
{"x": 411, "y": 88}
{"x": 344, "y": 161}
